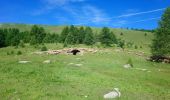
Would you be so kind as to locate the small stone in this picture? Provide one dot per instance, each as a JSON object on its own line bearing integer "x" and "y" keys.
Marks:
{"x": 143, "y": 69}
{"x": 127, "y": 66}
{"x": 70, "y": 63}
{"x": 78, "y": 64}
{"x": 112, "y": 94}
{"x": 47, "y": 61}
{"x": 23, "y": 62}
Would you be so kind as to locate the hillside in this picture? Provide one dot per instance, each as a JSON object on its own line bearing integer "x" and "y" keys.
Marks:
{"x": 137, "y": 37}
{"x": 86, "y": 76}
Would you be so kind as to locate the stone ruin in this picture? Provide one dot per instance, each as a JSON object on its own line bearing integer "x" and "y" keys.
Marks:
{"x": 158, "y": 58}
{"x": 73, "y": 51}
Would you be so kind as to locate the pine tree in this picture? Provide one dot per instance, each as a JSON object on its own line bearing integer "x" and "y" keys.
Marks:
{"x": 107, "y": 37}
{"x": 2, "y": 38}
{"x": 81, "y": 35}
{"x": 69, "y": 39}
{"x": 161, "y": 42}
{"x": 15, "y": 39}
{"x": 74, "y": 34}
{"x": 89, "y": 36}
{"x": 64, "y": 34}
{"x": 38, "y": 33}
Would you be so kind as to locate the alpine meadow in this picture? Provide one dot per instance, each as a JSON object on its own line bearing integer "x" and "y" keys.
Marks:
{"x": 84, "y": 50}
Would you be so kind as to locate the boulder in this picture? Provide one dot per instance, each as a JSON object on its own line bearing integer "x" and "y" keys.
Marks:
{"x": 127, "y": 66}
{"x": 23, "y": 62}
{"x": 47, "y": 61}
{"x": 113, "y": 94}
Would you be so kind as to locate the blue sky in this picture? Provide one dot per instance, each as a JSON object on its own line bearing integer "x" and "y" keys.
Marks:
{"x": 112, "y": 13}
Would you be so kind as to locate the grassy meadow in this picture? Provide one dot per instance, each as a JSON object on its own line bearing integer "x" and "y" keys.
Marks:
{"x": 84, "y": 77}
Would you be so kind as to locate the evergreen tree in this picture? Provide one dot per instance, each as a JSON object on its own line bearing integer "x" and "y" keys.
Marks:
{"x": 25, "y": 36}
{"x": 16, "y": 38}
{"x": 9, "y": 36}
{"x": 69, "y": 39}
{"x": 121, "y": 44}
{"x": 64, "y": 34}
{"x": 73, "y": 33}
{"x": 161, "y": 42}
{"x": 32, "y": 40}
{"x": 47, "y": 38}
{"x": 107, "y": 37}
{"x": 89, "y": 37}
{"x": 38, "y": 33}
{"x": 21, "y": 44}
{"x": 81, "y": 35}
{"x": 2, "y": 38}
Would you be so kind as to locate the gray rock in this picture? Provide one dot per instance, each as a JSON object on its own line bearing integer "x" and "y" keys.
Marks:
{"x": 78, "y": 65}
{"x": 127, "y": 66}
{"x": 23, "y": 62}
{"x": 113, "y": 94}
{"x": 47, "y": 61}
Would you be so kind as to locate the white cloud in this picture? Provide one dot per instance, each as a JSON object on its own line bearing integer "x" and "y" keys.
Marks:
{"x": 128, "y": 13}
{"x": 86, "y": 14}
{"x": 144, "y": 20}
{"x": 139, "y": 13}
{"x": 54, "y": 3}
{"x": 120, "y": 23}
{"x": 94, "y": 14}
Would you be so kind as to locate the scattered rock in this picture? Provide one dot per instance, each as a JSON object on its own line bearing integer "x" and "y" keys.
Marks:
{"x": 23, "y": 62}
{"x": 85, "y": 96}
{"x": 47, "y": 61}
{"x": 73, "y": 51}
{"x": 141, "y": 69}
{"x": 70, "y": 63}
{"x": 113, "y": 94}
{"x": 159, "y": 58}
{"x": 127, "y": 66}
{"x": 78, "y": 65}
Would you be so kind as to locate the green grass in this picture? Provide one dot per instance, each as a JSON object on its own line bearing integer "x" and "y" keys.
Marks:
{"x": 99, "y": 74}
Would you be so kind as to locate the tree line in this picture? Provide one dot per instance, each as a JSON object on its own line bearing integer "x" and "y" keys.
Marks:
{"x": 70, "y": 35}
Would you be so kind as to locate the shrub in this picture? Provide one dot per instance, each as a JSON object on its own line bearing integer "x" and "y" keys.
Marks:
{"x": 8, "y": 53}
{"x": 19, "y": 53}
{"x": 44, "y": 48}
{"x": 65, "y": 44}
{"x": 136, "y": 47}
{"x": 121, "y": 33}
{"x": 21, "y": 44}
{"x": 130, "y": 44}
{"x": 12, "y": 52}
{"x": 121, "y": 43}
{"x": 130, "y": 62}
{"x": 145, "y": 34}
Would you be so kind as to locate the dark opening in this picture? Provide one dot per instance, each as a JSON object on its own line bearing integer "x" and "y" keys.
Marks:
{"x": 75, "y": 51}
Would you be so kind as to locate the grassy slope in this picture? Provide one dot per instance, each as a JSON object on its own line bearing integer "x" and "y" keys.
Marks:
{"x": 137, "y": 37}
{"x": 99, "y": 74}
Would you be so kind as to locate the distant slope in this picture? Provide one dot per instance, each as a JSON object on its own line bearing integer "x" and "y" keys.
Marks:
{"x": 27, "y": 27}
{"x": 137, "y": 37}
